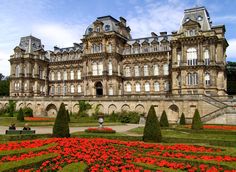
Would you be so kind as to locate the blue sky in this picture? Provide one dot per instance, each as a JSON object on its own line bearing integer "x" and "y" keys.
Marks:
{"x": 63, "y": 22}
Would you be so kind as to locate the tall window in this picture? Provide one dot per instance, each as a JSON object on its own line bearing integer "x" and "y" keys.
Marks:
{"x": 128, "y": 87}
{"x": 100, "y": 68}
{"x": 64, "y": 90}
{"x": 72, "y": 89}
{"x": 72, "y": 75}
{"x": 52, "y": 90}
{"x": 17, "y": 86}
{"x": 137, "y": 87}
{"x": 155, "y": 70}
{"x": 110, "y": 91}
{"x": 192, "y": 56}
{"x": 192, "y": 79}
{"x": 40, "y": 72}
{"x": 110, "y": 68}
{"x": 95, "y": 69}
{"x": 78, "y": 74}
{"x": 58, "y": 76}
{"x": 65, "y": 75}
{"x": 17, "y": 70}
{"x": 178, "y": 80}
{"x": 166, "y": 69}
{"x": 166, "y": 86}
{"x": 136, "y": 71}
{"x": 178, "y": 58}
{"x": 206, "y": 57}
{"x": 109, "y": 48}
{"x": 145, "y": 70}
{"x": 58, "y": 89}
{"x": 79, "y": 88}
{"x": 118, "y": 69}
{"x": 147, "y": 87}
{"x": 127, "y": 71}
{"x": 52, "y": 76}
{"x": 207, "y": 79}
{"x": 156, "y": 86}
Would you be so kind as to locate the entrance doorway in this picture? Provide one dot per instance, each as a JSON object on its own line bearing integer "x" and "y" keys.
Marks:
{"x": 99, "y": 89}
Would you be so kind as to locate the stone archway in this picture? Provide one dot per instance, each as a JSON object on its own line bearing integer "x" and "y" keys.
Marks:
{"x": 173, "y": 113}
{"x": 125, "y": 107}
{"x": 140, "y": 108}
{"x": 101, "y": 108}
{"x": 51, "y": 110}
{"x": 99, "y": 89}
{"x": 112, "y": 108}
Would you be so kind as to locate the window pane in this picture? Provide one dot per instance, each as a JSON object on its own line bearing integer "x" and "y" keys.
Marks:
{"x": 147, "y": 86}
{"x": 138, "y": 89}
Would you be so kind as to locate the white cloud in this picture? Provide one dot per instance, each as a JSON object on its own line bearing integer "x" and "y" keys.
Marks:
{"x": 59, "y": 34}
{"x": 5, "y": 65}
{"x": 155, "y": 17}
{"x": 231, "y": 50}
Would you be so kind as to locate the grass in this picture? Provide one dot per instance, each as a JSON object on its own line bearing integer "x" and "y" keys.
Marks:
{"x": 75, "y": 167}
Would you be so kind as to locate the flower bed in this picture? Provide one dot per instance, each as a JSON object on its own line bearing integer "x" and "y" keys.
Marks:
{"x": 40, "y": 119}
{"x": 115, "y": 155}
{"x": 220, "y": 127}
{"x": 100, "y": 130}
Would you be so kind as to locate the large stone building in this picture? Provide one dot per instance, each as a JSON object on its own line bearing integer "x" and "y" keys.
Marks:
{"x": 176, "y": 72}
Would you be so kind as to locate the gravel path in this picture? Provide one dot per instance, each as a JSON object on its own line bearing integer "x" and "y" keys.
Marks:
{"x": 48, "y": 130}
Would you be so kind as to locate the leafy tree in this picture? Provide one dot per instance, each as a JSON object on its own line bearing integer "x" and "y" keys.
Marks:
{"x": 83, "y": 108}
{"x": 197, "y": 123}
{"x": 4, "y": 86}
{"x": 164, "y": 120}
{"x": 1, "y": 76}
{"x": 20, "y": 115}
{"x": 152, "y": 129}
{"x": 61, "y": 125}
{"x": 182, "y": 119}
{"x": 11, "y": 107}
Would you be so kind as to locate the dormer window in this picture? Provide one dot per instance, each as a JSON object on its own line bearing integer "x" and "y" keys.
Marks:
{"x": 199, "y": 18}
{"x": 187, "y": 19}
{"x": 98, "y": 29}
{"x": 107, "y": 27}
{"x": 90, "y": 30}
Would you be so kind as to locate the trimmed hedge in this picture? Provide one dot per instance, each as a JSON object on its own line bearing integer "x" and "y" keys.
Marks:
{"x": 4, "y": 138}
{"x": 100, "y": 130}
{"x": 155, "y": 168}
{"x": 164, "y": 120}
{"x": 197, "y": 123}
{"x": 182, "y": 119}
{"x": 20, "y": 115}
{"x": 80, "y": 166}
{"x": 26, "y": 163}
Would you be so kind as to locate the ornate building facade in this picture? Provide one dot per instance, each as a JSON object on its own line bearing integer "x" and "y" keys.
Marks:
{"x": 109, "y": 63}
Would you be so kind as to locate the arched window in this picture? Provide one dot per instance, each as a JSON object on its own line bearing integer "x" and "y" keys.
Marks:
{"x": 189, "y": 79}
{"x": 17, "y": 86}
{"x": 178, "y": 80}
{"x": 100, "y": 68}
{"x": 109, "y": 48}
{"x": 110, "y": 68}
{"x": 178, "y": 58}
{"x": 58, "y": 76}
{"x": 145, "y": 70}
{"x": 166, "y": 69}
{"x": 166, "y": 86}
{"x": 137, "y": 87}
{"x": 147, "y": 87}
{"x": 128, "y": 87}
{"x": 25, "y": 86}
{"x": 52, "y": 90}
{"x": 79, "y": 88}
{"x": 64, "y": 90}
{"x": 65, "y": 75}
{"x": 52, "y": 76}
{"x": 207, "y": 79}
{"x": 78, "y": 74}
{"x": 17, "y": 70}
{"x": 136, "y": 71}
{"x": 25, "y": 71}
{"x": 58, "y": 89}
{"x": 156, "y": 86}
{"x": 72, "y": 75}
{"x": 72, "y": 89}
{"x": 192, "y": 56}
{"x": 206, "y": 57}
{"x": 110, "y": 91}
{"x": 192, "y": 78}
{"x": 95, "y": 69}
{"x": 155, "y": 70}
{"x": 127, "y": 71}
{"x": 195, "y": 78}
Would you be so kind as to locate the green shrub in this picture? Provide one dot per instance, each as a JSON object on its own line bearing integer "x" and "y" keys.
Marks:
{"x": 152, "y": 130}
{"x": 196, "y": 122}
{"x": 68, "y": 115}
{"x": 3, "y": 111}
{"x": 113, "y": 117}
{"x": 61, "y": 125}
{"x": 20, "y": 115}
{"x": 128, "y": 117}
{"x": 84, "y": 106}
{"x": 11, "y": 107}
{"x": 182, "y": 119}
{"x": 28, "y": 112}
{"x": 164, "y": 120}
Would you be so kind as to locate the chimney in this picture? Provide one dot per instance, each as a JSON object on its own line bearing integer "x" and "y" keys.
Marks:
{"x": 163, "y": 33}
{"x": 123, "y": 21}
{"x": 153, "y": 34}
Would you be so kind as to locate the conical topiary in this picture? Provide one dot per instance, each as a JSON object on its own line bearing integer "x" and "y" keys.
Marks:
{"x": 197, "y": 123}
{"x": 20, "y": 115}
{"x": 182, "y": 119}
{"x": 152, "y": 129}
{"x": 68, "y": 115}
{"x": 61, "y": 125}
{"x": 164, "y": 120}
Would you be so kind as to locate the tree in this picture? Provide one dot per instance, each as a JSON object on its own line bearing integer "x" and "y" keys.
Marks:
{"x": 61, "y": 125}
{"x": 152, "y": 129}
{"x": 164, "y": 120}
{"x": 83, "y": 108}
{"x": 197, "y": 123}
{"x": 20, "y": 115}
{"x": 182, "y": 119}
{"x": 11, "y": 108}
{"x": 4, "y": 86}
{"x": 1, "y": 76}
{"x": 68, "y": 115}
